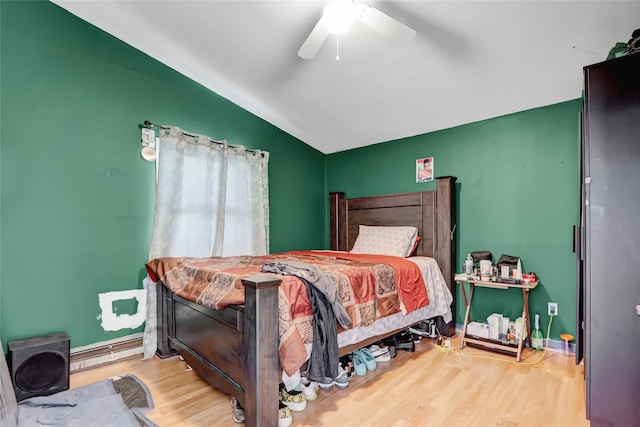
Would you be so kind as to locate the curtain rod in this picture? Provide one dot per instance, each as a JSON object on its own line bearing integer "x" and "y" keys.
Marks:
{"x": 223, "y": 142}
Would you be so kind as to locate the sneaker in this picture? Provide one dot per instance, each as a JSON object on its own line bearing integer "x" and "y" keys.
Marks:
{"x": 392, "y": 351}
{"x": 347, "y": 364}
{"x": 309, "y": 390}
{"x": 404, "y": 341}
{"x": 342, "y": 380}
{"x": 284, "y": 415}
{"x": 425, "y": 329}
{"x": 326, "y": 383}
{"x": 421, "y": 329}
{"x": 358, "y": 363}
{"x": 381, "y": 354}
{"x": 369, "y": 360}
{"x": 304, "y": 380}
{"x": 238, "y": 411}
{"x": 294, "y": 399}
{"x": 385, "y": 357}
{"x": 390, "y": 343}
{"x": 377, "y": 350}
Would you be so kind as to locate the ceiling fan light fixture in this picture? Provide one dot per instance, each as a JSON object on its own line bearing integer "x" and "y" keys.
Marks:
{"x": 339, "y": 16}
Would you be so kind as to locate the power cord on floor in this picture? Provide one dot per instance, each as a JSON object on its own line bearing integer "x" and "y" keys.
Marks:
{"x": 444, "y": 345}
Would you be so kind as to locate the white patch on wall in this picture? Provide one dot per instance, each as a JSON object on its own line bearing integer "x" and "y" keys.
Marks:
{"x": 114, "y": 322}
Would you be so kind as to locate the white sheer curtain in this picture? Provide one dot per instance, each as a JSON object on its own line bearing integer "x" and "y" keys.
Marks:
{"x": 212, "y": 199}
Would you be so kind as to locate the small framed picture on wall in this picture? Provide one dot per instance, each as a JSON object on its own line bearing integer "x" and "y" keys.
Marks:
{"x": 424, "y": 169}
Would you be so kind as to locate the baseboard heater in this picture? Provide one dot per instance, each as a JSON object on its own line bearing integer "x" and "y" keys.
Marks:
{"x": 105, "y": 352}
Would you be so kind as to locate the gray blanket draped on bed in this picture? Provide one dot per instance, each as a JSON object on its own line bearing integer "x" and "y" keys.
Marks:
{"x": 326, "y": 306}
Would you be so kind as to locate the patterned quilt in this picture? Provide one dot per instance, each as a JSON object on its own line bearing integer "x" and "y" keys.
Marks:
{"x": 370, "y": 286}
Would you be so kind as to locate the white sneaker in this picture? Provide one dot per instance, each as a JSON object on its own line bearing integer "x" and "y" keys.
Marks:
{"x": 284, "y": 415}
{"x": 381, "y": 354}
{"x": 238, "y": 411}
{"x": 309, "y": 391}
{"x": 383, "y": 357}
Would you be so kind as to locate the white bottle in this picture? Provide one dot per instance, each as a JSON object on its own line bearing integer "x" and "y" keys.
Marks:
{"x": 468, "y": 265}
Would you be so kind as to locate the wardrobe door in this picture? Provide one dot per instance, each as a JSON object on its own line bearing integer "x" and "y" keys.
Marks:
{"x": 612, "y": 234}
{"x": 578, "y": 249}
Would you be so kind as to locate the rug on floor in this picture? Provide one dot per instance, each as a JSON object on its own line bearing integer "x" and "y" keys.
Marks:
{"x": 116, "y": 402}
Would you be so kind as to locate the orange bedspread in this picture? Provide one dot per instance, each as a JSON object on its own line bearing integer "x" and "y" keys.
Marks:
{"x": 366, "y": 284}
{"x": 410, "y": 284}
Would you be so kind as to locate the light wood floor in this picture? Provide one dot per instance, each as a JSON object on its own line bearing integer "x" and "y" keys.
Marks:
{"x": 428, "y": 387}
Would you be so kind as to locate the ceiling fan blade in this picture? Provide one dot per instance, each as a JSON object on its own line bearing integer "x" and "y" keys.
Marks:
{"x": 384, "y": 24}
{"x": 314, "y": 41}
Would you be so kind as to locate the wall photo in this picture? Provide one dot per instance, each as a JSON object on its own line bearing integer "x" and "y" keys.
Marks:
{"x": 424, "y": 169}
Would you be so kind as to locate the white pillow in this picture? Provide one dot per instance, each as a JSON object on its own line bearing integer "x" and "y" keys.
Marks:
{"x": 383, "y": 240}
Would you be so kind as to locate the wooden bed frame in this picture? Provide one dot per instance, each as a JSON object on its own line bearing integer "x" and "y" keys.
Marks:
{"x": 236, "y": 349}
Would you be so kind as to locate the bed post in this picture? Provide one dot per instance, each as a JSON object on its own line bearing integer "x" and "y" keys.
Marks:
{"x": 338, "y": 220}
{"x": 445, "y": 236}
{"x": 261, "y": 365}
{"x": 165, "y": 325}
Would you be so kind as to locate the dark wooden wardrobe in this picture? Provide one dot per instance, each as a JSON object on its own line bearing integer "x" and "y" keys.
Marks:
{"x": 610, "y": 249}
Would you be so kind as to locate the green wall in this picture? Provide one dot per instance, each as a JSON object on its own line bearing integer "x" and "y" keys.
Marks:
{"x": 517, "y": 194}
{"x": 77, "y": 198}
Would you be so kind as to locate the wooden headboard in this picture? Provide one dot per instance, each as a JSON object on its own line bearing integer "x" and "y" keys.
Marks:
{"x": 432, "y": 212}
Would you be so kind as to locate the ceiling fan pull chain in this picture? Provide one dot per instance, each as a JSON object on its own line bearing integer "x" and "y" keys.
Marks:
{"x": 337, "y": 47}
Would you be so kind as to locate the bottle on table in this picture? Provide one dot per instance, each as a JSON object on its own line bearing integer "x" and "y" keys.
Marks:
{"x": 468, "y": 265}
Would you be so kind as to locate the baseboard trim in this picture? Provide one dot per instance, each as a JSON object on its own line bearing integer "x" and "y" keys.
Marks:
{"x": 105, "y": 352}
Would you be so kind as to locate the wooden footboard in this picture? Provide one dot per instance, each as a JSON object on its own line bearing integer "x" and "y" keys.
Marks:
{"x": 234, "y": 350}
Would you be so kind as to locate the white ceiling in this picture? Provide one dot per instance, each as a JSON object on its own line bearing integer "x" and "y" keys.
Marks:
{"x": 470, "y": 61}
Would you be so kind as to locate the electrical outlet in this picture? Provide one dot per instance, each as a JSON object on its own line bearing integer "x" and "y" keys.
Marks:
{"x": 552, "y": 308}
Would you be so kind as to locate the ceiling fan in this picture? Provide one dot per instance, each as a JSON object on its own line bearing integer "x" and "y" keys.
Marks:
{"x": 337, "y": 18}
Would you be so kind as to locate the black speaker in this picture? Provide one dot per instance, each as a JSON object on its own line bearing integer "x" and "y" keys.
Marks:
{"x": 39, "y": 366}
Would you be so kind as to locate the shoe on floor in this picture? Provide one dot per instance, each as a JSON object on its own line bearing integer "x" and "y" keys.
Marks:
{"x": 326, "y": 383}
{"x": 309, "y": 390}
{"x": 389, "y": 344}
{"x": 342, "y": 380}
{"x": 392, "y": 351}
{"x": 284, "y": 415}
{"x": 377, "y": 350}
{"x": 238, "y": 411}
{"x": 358, "y": 363}
{"x": 369, "y": 360}
{"x": 406, "y": 346}
{"x": 416, "y": 338}
{"x": 404, "y": 341}
{"x": 381, "y": 354}
{"x": 421, "y": 329}
{"x": 404, "y": 336}
{"x": 294, "y": 399}
{"x": 347, "y": 364}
